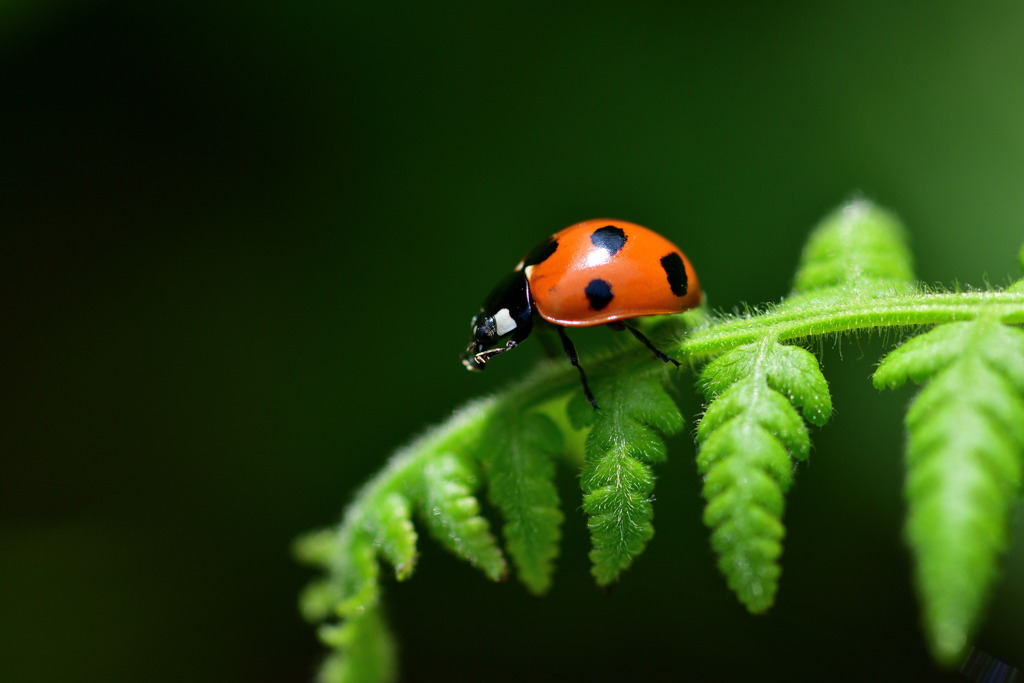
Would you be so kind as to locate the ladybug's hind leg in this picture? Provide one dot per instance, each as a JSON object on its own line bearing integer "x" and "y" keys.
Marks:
{"x": 570, "y": 353}
{"x": 646, "y": 342}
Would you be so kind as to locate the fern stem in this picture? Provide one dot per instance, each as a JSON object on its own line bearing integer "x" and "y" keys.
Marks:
{"x": 815, "y": 317}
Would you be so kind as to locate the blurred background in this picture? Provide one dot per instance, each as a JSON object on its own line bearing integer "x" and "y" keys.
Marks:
{"x": 243, "y": 244}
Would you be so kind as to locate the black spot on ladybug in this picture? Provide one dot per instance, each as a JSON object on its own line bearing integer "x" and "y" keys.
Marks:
{"x": 676, "y": 272}
{"x": 541, "y": 253}
{"x": 609, "y": 237}
{"x": 599, "y": 294}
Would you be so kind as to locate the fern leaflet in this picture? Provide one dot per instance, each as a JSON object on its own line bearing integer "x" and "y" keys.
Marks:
{"x": 749, "y": 436}
{"x": 391, "y": 523}
{"x": 617, "y": 480}
{"x": 860, "y": 248}
{"x": 452, "y": 514}
{"x": 517, "y": 453}
{"x": 363, "y": 648}
{"x": 964, "y": 461}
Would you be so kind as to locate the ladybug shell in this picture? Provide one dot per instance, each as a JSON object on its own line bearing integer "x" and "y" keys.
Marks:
{"x": 603, "y": 270}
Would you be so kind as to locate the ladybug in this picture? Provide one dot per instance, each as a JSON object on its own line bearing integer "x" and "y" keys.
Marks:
{"x": 598, "y": 272}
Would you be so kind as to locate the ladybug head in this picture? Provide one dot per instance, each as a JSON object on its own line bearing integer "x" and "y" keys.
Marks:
{"x": 485, "y": 336}
{"x": 504, "y": 320}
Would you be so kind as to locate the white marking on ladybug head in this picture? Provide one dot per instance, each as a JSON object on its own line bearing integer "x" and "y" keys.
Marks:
{"x": 529, "y": 272}
{"x": 503, "y": 322}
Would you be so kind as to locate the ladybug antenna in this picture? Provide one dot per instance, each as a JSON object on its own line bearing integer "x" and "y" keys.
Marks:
{"x": 570, "y": 353}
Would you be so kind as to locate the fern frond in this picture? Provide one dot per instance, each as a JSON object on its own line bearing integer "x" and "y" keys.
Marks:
{"x": 964, "y": 462}
{"x": 390, "y": 522}
{"x": 363, "y": 650}
{"x": 452, "y": 514}
{"x": 362, "y": 645}
{"x": 319, "y": 598}
{"x": 426, "y": 475}
{"x": 859, "y": 247}
{"x": 517, "y": 453}
{"x": 617, "y": 480}
{"x": 749, "y": 436}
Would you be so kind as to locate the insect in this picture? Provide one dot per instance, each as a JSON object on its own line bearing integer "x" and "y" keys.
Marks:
{"x": 598, "y": 272}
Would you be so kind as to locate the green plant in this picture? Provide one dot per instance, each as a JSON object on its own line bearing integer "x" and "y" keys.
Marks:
{"x": 762, "y": 391}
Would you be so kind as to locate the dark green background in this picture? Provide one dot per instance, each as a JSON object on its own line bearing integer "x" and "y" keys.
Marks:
{"x": 243, "y": 243}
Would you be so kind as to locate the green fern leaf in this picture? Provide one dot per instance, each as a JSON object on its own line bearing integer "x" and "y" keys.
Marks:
{"x": 363, "y": 648}
{"x": 319, "y": 598}
{"x": 427, "y": 475}
{"x": 749, "y": 436}
{"x": 452, "y": 514}
{"x": 860, "y": 247}
{"x": 390, "y": 522}
{"x": 517, "y": 449}
{"x": 920, "y": 358}
{"x": 617, "y": 480}
{"x": 363, "y": 651}
{"x": 964, "y": 461}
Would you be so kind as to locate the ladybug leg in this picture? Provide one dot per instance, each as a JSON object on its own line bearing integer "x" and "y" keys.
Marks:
{"x": 570, "y": 353}
{"x": 647, "y": 342}
{"x": 479, "y": 360}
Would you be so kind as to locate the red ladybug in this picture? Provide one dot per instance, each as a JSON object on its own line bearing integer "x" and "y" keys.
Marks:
{"x": 598, "y": 272}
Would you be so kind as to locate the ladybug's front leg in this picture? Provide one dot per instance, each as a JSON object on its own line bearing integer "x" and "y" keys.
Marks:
{"x": 481, "y": 358}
